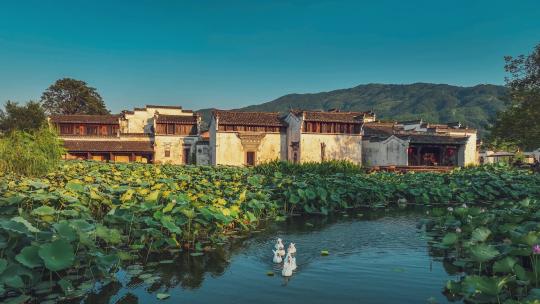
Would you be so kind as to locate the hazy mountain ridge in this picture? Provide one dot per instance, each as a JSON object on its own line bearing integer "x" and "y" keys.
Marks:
{"x": 474, "y": 106}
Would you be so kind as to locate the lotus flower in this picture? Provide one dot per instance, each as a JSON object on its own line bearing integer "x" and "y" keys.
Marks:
{"x": 458, "y": 230}
{"x": 536, "y": 249}
{"x": 450, "y": 209}
{"x": 464, "y": 205}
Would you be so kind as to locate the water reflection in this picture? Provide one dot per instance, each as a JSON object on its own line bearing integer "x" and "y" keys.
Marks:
{"x": 367, "y": 247}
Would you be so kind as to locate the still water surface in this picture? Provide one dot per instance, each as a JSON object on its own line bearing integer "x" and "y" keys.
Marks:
{"x": 381, "y": 257}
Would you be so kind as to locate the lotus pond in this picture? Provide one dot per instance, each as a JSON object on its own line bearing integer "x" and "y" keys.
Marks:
{"x": 113, "y": 232}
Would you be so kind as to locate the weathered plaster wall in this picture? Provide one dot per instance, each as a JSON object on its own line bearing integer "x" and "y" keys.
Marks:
{"x": 293, "y": 135}
{"x": 202, "y": 151}
{"x": 338, "y": 147}
{"x": 213, "y": 144}
{"x": 141, "y": 121}
{"x": 467, "y": 155}
{"x": 390, "y": 152}
{"x": 176, "y": 145}
{"x": 228, "y": 148}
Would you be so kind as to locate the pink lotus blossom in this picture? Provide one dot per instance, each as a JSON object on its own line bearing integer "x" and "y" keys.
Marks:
{"x": 536, "y": 249}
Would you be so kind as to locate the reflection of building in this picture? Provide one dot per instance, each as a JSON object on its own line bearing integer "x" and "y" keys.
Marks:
{"x": 415, "y": 143}
{"x": 246, "y": 138}
{"x": 157, "y": 134}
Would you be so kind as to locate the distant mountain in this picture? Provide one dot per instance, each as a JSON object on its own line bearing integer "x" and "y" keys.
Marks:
{"x": 438, "y": 103}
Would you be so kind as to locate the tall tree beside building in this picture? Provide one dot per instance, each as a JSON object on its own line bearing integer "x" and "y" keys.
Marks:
{"x": 71, "y": 96}
{"x": 520, "y": 122}
{"x": 27, "y": 117}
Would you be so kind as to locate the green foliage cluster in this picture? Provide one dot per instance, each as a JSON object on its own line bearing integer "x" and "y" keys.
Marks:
{"x": 72, "y": 96}
{"x": 326, "y": 167}
{"x": 322, "y": 193}
{"x": 28, "y": 117}
{"x": 491, "y": 249}
{"x": 519, "y": 124}
{"x": 62, "y": 232}
{"x": 30, "y": 153}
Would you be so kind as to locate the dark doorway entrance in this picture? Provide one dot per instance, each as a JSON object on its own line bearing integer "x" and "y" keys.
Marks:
{"x": 250, "y": 158}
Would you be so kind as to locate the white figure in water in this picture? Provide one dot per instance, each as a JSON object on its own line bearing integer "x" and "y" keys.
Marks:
{"x": 287, "y": 267}
{"x": 277, "y": 258}
{"x": 280, "y": 247}
{"x": 292, "y": 260}
{"x": 291, "y": 249}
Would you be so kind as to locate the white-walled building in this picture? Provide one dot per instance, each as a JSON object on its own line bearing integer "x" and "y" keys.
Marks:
{"x": 246, "y": 138}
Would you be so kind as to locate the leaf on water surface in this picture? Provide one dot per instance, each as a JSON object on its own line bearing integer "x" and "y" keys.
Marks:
{"x": 162, "y": 296}
{"x": 491, "y": 286}
{"x": 324, "y": 252}
{"x": 57, "y": 255}
{"x": 29, "y": 257}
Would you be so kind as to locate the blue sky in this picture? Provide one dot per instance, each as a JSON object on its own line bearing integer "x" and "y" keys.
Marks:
{"x": 229, "y": 54}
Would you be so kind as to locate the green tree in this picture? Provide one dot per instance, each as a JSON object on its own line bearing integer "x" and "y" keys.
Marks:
{"x": 28, "y": 117}
{"x": 519, "y": 124}
{"x": 71, "y": 96}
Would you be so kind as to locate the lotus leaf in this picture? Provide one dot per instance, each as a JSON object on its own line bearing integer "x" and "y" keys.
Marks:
{"x": 3, "y": 265}
{"x": 491, "y": 286}
{"x": 57, "y": 255}
{"x": 43, "y": 211}
{"x": 505, "y": 265}
{"x": 162, "y": 296}
{"x": 449, "y": 239}
{"x": 26, "y": 223}
{"x": 483, "y": 252}
{"x": 64, "y": 230}
{"x": 75, "y": 185}
{"x": 168, "y": 222}
{"x": 29, "y": 257}
{"x": 480, "y": 234}
{"x": 111, "y": 236}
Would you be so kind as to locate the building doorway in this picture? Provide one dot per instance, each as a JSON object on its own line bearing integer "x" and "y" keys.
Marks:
{"x": 250, "y": 158}
{"x": 186, "y": 155}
